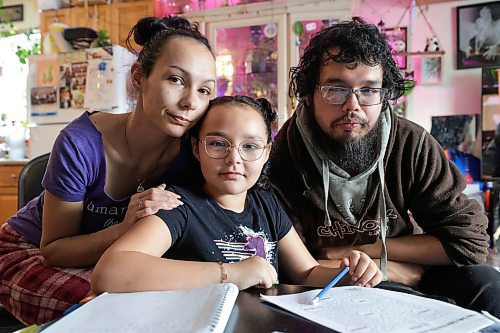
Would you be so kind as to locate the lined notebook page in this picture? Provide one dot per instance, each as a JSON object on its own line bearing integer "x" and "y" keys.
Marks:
{"x": 205, "y": 309}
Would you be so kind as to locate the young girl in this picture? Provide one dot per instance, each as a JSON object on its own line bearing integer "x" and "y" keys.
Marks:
{"x": 106, "y": 171}
{"x": 228, "y": 220}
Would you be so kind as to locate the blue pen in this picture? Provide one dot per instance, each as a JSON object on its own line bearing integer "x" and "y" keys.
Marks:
{"x": 72, "y": 308}
{"x": 77, "y": 305}
{"x": 330, "y": 285}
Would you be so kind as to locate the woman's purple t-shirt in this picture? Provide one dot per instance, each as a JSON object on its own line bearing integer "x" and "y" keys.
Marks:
{"x": 77, "y": 172}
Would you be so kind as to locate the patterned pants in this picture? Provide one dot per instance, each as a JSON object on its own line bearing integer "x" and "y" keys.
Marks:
{"x": 29, "y": 289}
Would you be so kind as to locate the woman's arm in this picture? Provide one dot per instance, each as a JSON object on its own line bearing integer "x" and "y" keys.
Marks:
{"x": 134, "y": 263}
{"x": 302, "y": 268}
{"x": 62, "y": 245}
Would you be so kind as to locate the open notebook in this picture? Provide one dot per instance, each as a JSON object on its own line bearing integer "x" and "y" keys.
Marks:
{"x": 204, "y": 309}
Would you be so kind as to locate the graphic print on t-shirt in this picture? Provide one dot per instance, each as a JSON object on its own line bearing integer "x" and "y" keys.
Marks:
{"x": 256, "y": 244}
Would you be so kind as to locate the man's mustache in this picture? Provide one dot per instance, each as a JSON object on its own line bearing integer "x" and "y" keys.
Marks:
{"x": 349, "y": 117}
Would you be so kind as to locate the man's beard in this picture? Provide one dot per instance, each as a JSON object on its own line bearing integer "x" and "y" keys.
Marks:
{"x": 354, "y": 155}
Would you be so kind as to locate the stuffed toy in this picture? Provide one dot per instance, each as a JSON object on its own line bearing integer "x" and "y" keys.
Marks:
{"x": 432, "y": 44}
{"x": 399, "y": 46}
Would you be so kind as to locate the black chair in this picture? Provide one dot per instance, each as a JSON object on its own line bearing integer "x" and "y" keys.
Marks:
{"x": 30, "y": 179}
{"x": 29, "y": 186}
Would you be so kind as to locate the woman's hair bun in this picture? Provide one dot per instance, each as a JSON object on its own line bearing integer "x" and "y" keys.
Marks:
{"x": 147, "y": 27}
{"x": 267, "y": 110}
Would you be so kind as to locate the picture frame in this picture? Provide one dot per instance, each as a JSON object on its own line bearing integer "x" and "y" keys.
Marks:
{"x": 431, "y": 70}
{"x": 12, "y": 13}
{"x": 476, "y": 39}
{"x": 397, "y": 38}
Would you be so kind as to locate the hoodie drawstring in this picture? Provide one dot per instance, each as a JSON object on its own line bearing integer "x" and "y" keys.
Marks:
{"x": 383, "y": 221}
{"x": 326, "y": 188}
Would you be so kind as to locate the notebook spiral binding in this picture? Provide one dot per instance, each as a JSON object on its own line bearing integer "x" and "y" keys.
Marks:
{"x": 222, "y": 310}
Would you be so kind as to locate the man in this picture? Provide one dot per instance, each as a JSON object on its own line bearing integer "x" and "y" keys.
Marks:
{"x": 352, "y": 175}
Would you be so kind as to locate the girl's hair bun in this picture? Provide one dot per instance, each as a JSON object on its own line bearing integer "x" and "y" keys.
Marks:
{"x": 267, "y": 110}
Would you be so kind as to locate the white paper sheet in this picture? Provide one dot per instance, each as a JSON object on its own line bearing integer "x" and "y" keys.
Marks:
{"x": 363, "y": 310}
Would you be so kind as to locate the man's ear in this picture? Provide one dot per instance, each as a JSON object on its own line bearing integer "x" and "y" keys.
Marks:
{"x": 196, "y": 147}
{"x": 136, "y": 76}
{"x": 307, "y": 101}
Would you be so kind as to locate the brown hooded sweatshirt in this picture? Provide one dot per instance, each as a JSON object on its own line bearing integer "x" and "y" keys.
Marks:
{"x": 419, "y": 180}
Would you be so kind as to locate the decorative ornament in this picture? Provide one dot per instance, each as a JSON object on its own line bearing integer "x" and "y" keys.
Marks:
{"x": 311, "y": 26}
{"x": 432, "y": 44}
{"x": 270, "y": 30}
{"x": 399, "y": 46}
{"x": 256, "y": 34}
{"x": 381, "y": 27}
{"x": 298, "y": 28}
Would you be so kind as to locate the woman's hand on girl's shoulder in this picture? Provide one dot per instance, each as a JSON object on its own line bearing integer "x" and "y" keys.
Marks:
{"x": 150, "y": 202}
{"x": 251, "y": 272}
{"x": 363, "y": 270}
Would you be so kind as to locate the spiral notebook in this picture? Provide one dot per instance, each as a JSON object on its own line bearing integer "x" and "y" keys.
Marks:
{"x": 204, "y": 309}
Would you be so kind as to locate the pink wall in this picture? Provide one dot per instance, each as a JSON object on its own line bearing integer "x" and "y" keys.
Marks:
{"x": 460, "y": 90}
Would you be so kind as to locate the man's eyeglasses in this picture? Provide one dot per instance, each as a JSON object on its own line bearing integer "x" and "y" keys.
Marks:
{"x": 219, "y": 147}
{"x": 339, "y": 95}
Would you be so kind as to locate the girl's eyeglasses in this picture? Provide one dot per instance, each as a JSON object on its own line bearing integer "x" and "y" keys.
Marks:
{"x": 218, "y": 147}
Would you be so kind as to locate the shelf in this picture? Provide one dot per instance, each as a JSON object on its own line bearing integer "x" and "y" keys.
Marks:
{"x": 422, "y": 54}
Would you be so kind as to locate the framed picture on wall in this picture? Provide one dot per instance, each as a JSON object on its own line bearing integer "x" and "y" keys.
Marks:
{"x": 431, "y": 71}
{"x": 478, "y": 35}
{"x": 11, "y": 13}
{"x": 397, "y": 38}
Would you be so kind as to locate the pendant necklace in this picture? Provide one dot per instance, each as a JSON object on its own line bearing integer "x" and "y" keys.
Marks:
{"x": 140, "y": 188}
{"x": 140, "y": 181}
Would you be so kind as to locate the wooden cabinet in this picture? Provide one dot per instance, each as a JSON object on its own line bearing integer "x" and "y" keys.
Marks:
{"x": 94, "y": 17}
{"x": 124, "y": 16}
{"x": 116, "y": 18}
{"x": 9, "y": 175}
{"x": 53, "y": 16}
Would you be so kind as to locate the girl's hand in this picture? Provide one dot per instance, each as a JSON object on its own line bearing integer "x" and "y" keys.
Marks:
{"x": 253, "y": 271}
{"x": 363, "y": 270}
{"x": 150, "y": 202}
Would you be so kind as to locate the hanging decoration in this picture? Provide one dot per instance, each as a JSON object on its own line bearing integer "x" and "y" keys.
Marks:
{"x": 381, "y": 27}
{"x": 298, "y": 29}
{"x": 256, "y": 34}
{"x": 270, "y": 30}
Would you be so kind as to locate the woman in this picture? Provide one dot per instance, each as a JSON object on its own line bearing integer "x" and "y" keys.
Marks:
{"x": 106, "y": 171}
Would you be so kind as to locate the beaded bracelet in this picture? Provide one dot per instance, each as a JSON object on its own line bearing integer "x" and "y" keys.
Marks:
{"x": 223, "y": 273}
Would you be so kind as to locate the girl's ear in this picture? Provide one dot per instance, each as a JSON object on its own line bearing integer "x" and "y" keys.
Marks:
{"x": 196, "y": 147}
{"x": 136, "y": 76}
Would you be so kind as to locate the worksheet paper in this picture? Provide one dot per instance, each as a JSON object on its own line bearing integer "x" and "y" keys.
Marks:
{"x": 363, "y": 310}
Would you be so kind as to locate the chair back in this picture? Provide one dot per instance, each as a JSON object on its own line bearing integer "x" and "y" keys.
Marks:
{"x": 30, "y": 179}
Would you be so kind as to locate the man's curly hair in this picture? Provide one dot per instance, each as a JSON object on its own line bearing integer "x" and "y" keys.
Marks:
{"x": 357, "y": 42}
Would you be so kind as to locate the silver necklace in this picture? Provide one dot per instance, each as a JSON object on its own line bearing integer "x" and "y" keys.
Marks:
{"x": 140, "y": 181}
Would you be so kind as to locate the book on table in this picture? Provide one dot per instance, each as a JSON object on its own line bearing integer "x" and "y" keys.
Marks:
{"x": 204, "y": 309}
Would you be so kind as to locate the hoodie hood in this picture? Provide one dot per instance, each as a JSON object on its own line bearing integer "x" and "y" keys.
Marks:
{"x": 348, "y": 193}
